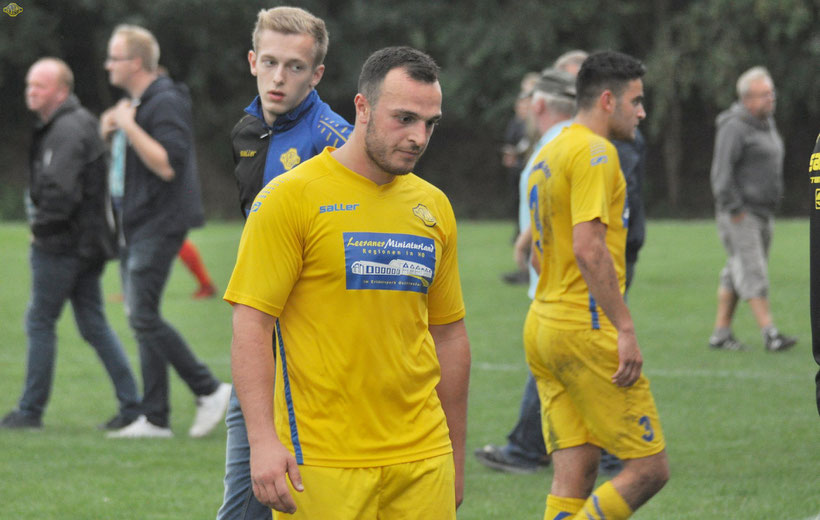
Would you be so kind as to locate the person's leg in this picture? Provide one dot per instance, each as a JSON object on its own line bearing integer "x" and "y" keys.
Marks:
{"x": 190, "y": 256}
{"x": 525, "y": 440}
{"x": 727, "y": 297}
{"x": 418, "y": 490}
{"x": 239, "y": 502}
{"x": 86, "y": 300}
{"x": 52, "y": 279}
{"x": 147, "y": 267}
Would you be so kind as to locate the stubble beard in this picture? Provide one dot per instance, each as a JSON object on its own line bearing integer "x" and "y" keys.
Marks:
{"x": 377, "y": 152}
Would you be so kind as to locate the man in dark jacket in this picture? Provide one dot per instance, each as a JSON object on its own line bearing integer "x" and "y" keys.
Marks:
{"x": 747, "y": 182}
{"x": 156, "y": 190}
{"x": 73, "y": 236}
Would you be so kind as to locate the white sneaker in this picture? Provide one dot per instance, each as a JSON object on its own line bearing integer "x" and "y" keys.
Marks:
{"x": 141, "y": 428}
{"x": 210, "y": 410}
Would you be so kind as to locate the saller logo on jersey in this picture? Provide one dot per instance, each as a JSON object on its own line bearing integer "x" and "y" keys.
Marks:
{"x": 424, "y": 214}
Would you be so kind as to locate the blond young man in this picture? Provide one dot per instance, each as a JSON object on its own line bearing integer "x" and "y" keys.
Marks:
{"x": 289, "y": 47}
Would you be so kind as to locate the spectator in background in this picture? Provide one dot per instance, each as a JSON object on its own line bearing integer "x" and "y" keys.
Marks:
{"x": 155, "y": 183}
{"x": 519, "y": 139}
{"x": 551, "y": 110}
{"x": 287, "y": 59}
{"x": 747, "y": 182}
{"x": 73, "y": 236}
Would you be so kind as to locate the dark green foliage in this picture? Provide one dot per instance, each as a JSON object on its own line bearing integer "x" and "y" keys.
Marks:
{"x": 694, "y": 51}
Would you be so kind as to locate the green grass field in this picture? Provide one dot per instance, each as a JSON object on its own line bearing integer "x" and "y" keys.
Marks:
{"x": 742, "y": 430}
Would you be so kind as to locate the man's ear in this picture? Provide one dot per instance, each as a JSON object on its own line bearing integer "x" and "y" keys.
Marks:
{"x": 317, "y": 75}
{"x": 363, "y": 109}
{"x": 607, "y": 101}
{"x": 252, "y": 61}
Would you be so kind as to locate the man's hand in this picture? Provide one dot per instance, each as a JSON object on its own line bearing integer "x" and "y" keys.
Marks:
{"x": 123, "y": 113}
{"x": 107, "y": 124}
{"x": 271, "y": 466}
{"x": 630, "y": 360}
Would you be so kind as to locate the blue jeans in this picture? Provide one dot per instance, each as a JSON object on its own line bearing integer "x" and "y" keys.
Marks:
{"x": 239, "y": 502}
{"x": 526, "y": 441}
{"x": 145, "y": 266}
{"x": 57, "y": 278}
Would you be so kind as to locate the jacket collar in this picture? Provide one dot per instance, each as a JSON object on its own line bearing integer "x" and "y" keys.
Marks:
{"x": 287, "y": 119}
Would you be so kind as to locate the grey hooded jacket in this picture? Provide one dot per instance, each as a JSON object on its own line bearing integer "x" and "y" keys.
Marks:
{"x": 747, "y": 165}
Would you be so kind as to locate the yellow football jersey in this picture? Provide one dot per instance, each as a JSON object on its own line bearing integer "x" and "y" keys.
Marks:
{"x": 576, "y": 178}
{"x": 355, "y": 272}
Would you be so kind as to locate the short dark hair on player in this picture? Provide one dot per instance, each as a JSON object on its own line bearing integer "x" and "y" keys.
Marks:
{"x": 418, "y": 65}
{"x": 605, "y": 70}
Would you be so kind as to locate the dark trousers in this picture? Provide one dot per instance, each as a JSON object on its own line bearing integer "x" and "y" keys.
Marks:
{"x": 145, "y": 266}
{"x": 57, "y": 278}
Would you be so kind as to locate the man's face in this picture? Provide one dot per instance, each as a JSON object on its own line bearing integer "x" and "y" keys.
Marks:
{"x": 284, "y": 68}
{"x": 401, "y": 123}
{"x": 760, "y": 98}
{"x": 628, "y": 112}
{"x": 119, "y": 63}
{"x": 44, "y": 90}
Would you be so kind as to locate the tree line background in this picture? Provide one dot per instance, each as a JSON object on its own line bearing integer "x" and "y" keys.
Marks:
{"x": 694, "y": 52}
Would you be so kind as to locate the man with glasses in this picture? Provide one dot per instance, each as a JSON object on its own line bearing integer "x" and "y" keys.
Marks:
{"x": 156, "y": 192}
{"x": 747, "y": 182}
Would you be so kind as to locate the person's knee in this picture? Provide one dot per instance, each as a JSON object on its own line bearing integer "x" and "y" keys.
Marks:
{"x": 650, "y": 474}
{"x": 143, "y": 320}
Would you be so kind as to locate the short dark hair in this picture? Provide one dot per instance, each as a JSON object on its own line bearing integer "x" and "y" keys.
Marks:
{"x": 605, "y": 70}
{"x": 418, "y": 65}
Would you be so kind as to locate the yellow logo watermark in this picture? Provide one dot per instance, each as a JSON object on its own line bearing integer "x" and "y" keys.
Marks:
{"x": 12, "y": 9}
{"x": 817, "y": 199}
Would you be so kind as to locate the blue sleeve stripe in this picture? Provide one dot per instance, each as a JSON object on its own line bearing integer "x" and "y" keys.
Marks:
{"x": 593, "y": 313}
{"x": 294, "y": 431}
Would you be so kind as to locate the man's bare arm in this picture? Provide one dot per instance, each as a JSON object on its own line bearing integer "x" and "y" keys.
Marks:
{"x": 453, "y": 351}
{"x": 253, "y": 369}
{"x": 598, "y": 270}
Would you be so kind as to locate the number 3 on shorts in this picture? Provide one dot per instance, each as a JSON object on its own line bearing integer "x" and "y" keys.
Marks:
{"x": 650, "y": 433}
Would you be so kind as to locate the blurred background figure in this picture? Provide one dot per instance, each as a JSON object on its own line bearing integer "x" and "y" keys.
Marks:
{"x": 747, "y": 182}
{"x": 73, "y": 236}
{"x": 156, "y": 189}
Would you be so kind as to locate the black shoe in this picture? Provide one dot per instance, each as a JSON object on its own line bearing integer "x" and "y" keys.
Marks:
{"x": 117, "y": 422}
{"x": 20, "y": 420}
{"x": 495, "y": 458}
{"x": 727, "y": 343}
{"x": 780, "y": 342}
{"x": 516, "y": 277}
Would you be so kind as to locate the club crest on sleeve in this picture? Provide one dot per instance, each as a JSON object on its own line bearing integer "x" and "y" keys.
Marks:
{"x": 424, "y": 214}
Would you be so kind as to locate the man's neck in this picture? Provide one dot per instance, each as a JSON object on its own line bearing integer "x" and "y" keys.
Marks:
{"x": 139, "y": 83}
{"x": 594, "y": 121}
{"x": 352, "y": 156}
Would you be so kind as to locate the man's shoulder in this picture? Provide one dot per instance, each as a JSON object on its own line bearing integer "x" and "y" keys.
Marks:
{"x": 75, "y": 123}
{"x": 248, "y": 124}
{"x": 327, "y": 127}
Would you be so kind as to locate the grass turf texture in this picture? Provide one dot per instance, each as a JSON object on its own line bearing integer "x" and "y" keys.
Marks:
{"x": 742, "y": 430}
